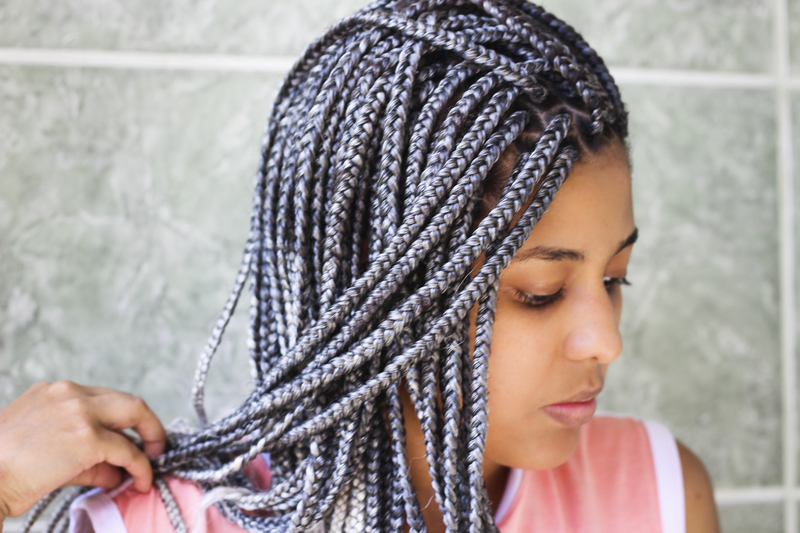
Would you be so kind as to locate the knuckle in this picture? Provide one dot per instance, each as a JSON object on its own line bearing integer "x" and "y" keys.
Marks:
{"x": 39, "y": 385}
{"x": 138, "y": 403}
{"x": 137, "y": 408}
{"x": 86, "y": 434}
{"x": 81, "y": 408}
{"x": 64, "y": 388}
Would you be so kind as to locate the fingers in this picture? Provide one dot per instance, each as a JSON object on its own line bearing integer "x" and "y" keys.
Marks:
{"x": 118, "y": 411}
{"x": 121, "y": 452}
{"x": 63, "y": 433}
{"x": 115, "y": 411}
{"x": 109, "y": 412}
{"x": 102, "y": 475}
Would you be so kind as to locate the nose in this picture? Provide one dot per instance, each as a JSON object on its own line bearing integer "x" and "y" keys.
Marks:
{"x": 593, "y": 328}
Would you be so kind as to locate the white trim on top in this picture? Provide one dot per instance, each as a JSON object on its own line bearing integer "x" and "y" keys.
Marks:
{"x": 669, "y": 477}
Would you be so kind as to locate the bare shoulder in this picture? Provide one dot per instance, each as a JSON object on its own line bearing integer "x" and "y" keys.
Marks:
{"x": 701, "y": 511}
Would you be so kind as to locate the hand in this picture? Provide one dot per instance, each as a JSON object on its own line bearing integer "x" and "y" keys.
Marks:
{"x": 65, "y": 434}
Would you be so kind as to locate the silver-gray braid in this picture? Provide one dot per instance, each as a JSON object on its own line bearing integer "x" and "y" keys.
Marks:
{"x": 380, "y": 220}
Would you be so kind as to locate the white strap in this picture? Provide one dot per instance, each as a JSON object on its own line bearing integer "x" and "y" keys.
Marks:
{"x": 97, "y": 510}
{"x": 669, "y": 477}
{"x": 512, "y": 486}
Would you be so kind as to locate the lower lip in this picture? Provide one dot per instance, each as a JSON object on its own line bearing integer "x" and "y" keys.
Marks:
{"x": 572, "y": 414}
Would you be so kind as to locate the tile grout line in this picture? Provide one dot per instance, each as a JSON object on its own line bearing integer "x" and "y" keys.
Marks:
{"x": 787, "y": 265}
{"x": 753, "y": 495}
{"x": 120, "y": 59}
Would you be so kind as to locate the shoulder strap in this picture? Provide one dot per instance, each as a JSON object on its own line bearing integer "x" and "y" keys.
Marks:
{"x": 512, "y": 486}
{"x": 95, "y": 511}
{"x": 669, "y": 477}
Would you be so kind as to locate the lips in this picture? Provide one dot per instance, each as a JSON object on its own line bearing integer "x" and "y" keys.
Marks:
{"x": 575, "y": 411}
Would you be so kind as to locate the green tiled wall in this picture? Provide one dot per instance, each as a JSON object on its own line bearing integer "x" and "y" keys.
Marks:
{"x": 198, "y": 26}
{"x": 124, "y": 204}
{"x": 700, "y": 320}
{"x": 125, "y": 194}
{"x": 766, "y": 518}
{"x": 729, "y": 35}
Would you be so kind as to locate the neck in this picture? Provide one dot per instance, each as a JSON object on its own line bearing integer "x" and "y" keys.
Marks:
{"x": 494, "y": 474}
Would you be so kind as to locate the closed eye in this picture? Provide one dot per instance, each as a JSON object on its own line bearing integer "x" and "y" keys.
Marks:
{"x": 610, "y": 282}
{"x": 543, "y": 300}
{"x": 538, "y": 300}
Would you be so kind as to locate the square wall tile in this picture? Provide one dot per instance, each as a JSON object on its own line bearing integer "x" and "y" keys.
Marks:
{"x": 700, "y": 323}
{"x": 124, "y": 208}
{"x": 766, "y": 518}
{"x": 719, "y": 35}
{"x": 199, "y": 26}
{"x": 794, "y": 35}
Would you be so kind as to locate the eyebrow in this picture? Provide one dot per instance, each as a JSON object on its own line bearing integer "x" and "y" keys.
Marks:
{"x": 547, "y": 253}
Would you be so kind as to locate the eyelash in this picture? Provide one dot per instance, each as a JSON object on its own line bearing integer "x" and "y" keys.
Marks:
{"x": 540, "y": 301}
{"x": 610, "y": 282}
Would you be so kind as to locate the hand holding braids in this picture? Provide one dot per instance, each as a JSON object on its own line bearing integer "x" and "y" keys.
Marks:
{"x": 366, "y": 225}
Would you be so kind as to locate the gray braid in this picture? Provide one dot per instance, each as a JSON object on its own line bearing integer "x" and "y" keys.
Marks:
{"x": 171, "y": 506}
{"x": 372, "y": 205}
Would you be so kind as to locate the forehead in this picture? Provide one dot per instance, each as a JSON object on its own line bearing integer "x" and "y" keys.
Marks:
{"x": 593, "y": 209}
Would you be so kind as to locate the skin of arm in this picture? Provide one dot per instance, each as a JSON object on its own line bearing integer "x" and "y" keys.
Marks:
{"x": 701, "y": 510}
{"x": 58, "y": 434}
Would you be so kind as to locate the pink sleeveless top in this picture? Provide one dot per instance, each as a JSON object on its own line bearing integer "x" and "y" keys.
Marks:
{"x": 624, "y": 476}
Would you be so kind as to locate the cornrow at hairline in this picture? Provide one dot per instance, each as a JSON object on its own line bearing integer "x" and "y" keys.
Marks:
{"x": 366, "y": 228}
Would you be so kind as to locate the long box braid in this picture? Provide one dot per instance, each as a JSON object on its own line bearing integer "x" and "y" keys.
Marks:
{"x": 411, "y": 140}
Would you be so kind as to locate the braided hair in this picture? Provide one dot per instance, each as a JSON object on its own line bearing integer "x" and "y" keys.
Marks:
{"x": 408, "y": 141}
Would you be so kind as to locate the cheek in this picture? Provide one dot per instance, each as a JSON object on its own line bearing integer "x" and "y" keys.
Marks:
{"x": 523, "y": 377}
{"x": 524, "y": 353}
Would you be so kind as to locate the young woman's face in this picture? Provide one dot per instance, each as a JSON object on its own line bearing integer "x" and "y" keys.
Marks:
{"x": 556, "y": 326}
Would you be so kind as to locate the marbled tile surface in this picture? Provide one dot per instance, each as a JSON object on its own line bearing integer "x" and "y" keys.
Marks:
{"x": 124, "y": 207}
{"x": 794, "y": 35}
{"x": 751, "y": 518}
{"x": 700, "y": 322}
{"x": 728, "y": 35}
{"x": 198, "y": 26}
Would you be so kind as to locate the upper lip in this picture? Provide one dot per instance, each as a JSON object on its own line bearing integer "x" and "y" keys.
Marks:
{"x": 583, "y": 396}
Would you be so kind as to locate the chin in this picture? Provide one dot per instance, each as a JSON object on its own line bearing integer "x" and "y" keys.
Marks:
{"x": 544, "y": 450}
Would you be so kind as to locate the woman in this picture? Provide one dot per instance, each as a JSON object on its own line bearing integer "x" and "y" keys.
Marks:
{"x": 409, "y": 155}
